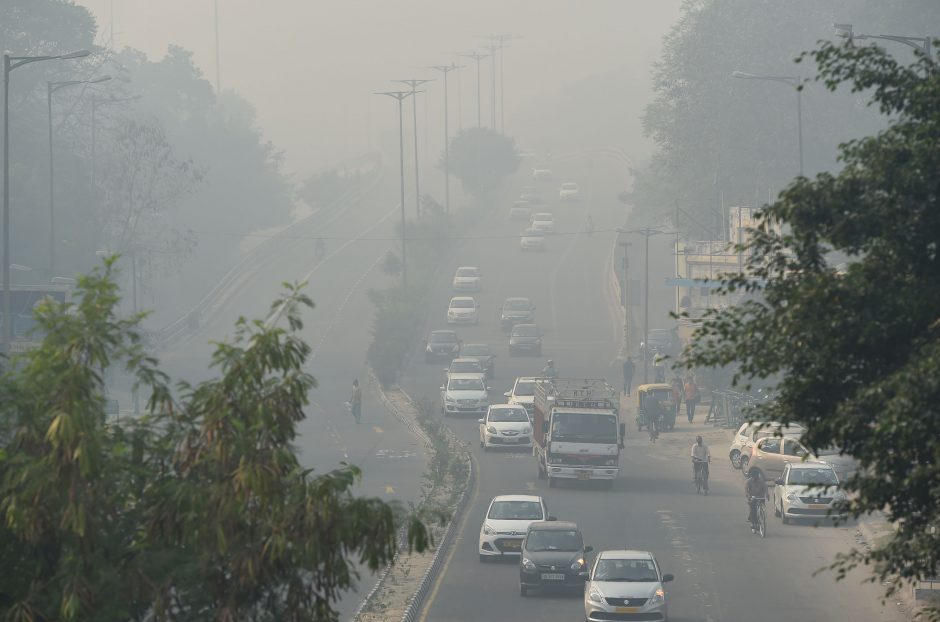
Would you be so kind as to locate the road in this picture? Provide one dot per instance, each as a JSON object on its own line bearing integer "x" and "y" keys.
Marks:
{"x": 338, "y": 330}
{"x": 723, "y": 572}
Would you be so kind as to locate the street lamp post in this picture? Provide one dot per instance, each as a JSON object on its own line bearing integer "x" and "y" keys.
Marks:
{"x": 414, "y": 84}
{"x": 499, "y": 42}
{"x": 647, "y": 233}
{"x": 794, "y": 81}
{"x": 446, "y": 69}
{"x": 478, "y": 57}
{"x": 400, "y": 96}
{"x": 52, "y": 87}
{"x": 921, "y": 43}
{"x": 9, "y": 64}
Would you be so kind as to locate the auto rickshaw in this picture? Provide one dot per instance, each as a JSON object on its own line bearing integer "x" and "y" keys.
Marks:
{"x": 662, "y": 393}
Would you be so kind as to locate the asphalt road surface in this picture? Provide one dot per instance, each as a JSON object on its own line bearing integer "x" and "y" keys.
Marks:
{"x": 722, "y": 571}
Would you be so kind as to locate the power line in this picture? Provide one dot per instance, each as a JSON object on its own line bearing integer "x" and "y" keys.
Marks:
{"x": 515, "y": 236}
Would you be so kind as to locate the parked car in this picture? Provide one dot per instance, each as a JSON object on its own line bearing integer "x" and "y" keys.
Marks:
{"x": 520, "y": 210}
{"x": 525, "y": 338}
{"x": 463, "y": 310}
{"x": 750, "y": 433}
{"x": 505, "y": 425}
{"x": 507, "y": 520}
{"x": 553, "y": 557}
{"x": 532, "y": 240}
{"x": 568, "y": 191}
{"x": 626, "y": 585}
{"x": 808, "y": 491}
{"x": 464, "y": 394}
{"x": 441, "y": 344}
{"x": 467, "y": 279}
{"x": 483, "y": 354}
{"x": 516, "y": 310}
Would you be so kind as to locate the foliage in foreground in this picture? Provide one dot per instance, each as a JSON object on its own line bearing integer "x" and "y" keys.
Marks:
{"x": 858, "y": 350}
{"x": 199, "y": 510}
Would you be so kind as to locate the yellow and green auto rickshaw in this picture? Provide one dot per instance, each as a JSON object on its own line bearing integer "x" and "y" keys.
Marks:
{"x": 659, "y": 392}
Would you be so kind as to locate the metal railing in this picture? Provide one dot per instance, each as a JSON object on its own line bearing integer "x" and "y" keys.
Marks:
{"x": 728, "y": 408}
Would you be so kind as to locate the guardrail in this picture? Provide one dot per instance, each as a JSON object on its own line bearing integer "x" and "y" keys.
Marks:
{"x": 190, "y": 321}
{"x": 728, "y": 408}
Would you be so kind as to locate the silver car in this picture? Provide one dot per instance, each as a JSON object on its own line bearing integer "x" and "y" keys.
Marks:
{"x": 626, "y": 585}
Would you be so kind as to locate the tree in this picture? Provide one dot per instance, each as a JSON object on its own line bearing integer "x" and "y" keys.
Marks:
{"x": 856, "y": 347}
{"x": 481, "y": 158}
{"x": 200, "y": 510}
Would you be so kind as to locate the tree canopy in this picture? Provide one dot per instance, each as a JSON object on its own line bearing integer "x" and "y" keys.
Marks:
{"x": 856, "y": 346}
{"x": 199, "y": 510}
{"x": 481, "y": 158}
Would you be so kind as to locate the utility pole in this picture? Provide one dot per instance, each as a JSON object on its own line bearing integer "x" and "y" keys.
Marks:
{"x": 625, "y": 268}
{"x": 647, "y": 233}
{"x": 499, "y": 43}
{"x": 414, "y": 102}
{"x": 446, "y": 69}
{"x": 478, "y": 57}
{"x": 218, "y": 60}
{"x": 401, "y": 95}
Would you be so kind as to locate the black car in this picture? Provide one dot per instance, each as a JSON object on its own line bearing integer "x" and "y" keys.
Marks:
{"x": 525, "y": 338}
{"x": 482, "y": 353}
{"x": 441, "y": 344}
{"x": 516, "y": 311}
{"x": 553, "y": 556}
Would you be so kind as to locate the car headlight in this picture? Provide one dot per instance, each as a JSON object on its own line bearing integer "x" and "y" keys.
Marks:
{"x": 449, "y": 399}
{"x": 528, "y": 565}
{"x": 554, "y": 460}
{"x": 791, "y": 496}
{"x": 527, "y": 430}
{"x": 429, "y": 349}
{"x": 658, "y": 596}
{"x": 487, "y": 530}
{"x": 595, "y": 597}
{"x": 611, "y": 462}
{"x": 577, "y": 564}
{"x": 492, "y": 429}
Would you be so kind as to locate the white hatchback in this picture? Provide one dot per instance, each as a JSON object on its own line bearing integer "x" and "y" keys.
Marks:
{"x": 467, "y": 279}
{"x": 625, "y": 585}
{"x": 506, "y": 522}
{"x": 505, "y": 425}
{"x": 568, "y": 191}
{"x": 463, "y": 310}
{"x": 532, "y": 239}
{"x": 543, "y": 221}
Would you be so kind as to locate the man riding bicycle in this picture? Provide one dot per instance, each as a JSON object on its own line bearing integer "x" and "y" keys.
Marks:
{"x": 701, "y": 456}
{"x": 755, "y": 489}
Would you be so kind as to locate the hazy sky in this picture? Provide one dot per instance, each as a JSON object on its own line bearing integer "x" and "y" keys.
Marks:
{"x": 310, "y": 66}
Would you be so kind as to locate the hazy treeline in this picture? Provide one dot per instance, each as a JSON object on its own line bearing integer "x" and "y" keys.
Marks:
{"x": 721, "y": 140}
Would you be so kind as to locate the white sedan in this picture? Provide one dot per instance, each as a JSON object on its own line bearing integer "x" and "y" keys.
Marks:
{"x": 463, "y": 310}
{"x": 808, "y": 490}
{"x": 505, "y": 425}
{"x": 543, "y": 221}
{"x": 532, "y": 239}
{"x": 467, "y": 279}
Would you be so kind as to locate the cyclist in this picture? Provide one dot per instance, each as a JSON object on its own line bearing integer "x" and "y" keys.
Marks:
{"x": 755, "y": 489}
{"x": 701, "y": 456}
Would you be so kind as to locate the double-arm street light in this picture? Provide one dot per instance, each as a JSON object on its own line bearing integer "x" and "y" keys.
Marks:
{"x": 414, "y": 84}
{"x": 921, "y": 43}
{"x": 499, "y": 42}
{"x": 9, "y": 64}
{"x": 400, "y": 96}
{"x": 797, "y": 83}
{"x": 446, "y": 69}
{"x": 52, "y": 87}
{"x": 478, "y": 57}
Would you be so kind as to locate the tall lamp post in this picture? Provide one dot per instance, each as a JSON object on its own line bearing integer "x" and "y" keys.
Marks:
{"x": 446, "y": 69}
{"x": 52, "y": 87}
{"x": 400, "y": 96}
{"x": 9, "y": 64}
{"x": 478, "y": 57}
{"x": 414, "y": 84}
{"x": 794, "y": 81}
{"x": 921, "y": 43}
{"x": 647, "y": 233}
{"x": 501, "y": 41}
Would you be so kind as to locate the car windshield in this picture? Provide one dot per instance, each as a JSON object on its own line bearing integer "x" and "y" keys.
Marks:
{"x": 553, "y": 540}
{"x": 526, "y": 330}
{"x": 508, "y": 415}
{"x": 517, "y": 304}
{"x": 442, "y": 338}
{"x": 630, "y": 570}
{"x": 466, "y": 272}
{"x": 569, "y": 186}
{"x": 475, "y": 350}
{"x": 464, "y": 303}
{"x": 812, "y": 477}
{"x": 543, "y": 216}
{"x": 465, "y": 367}
{"x": 584, "y": 427}
{"x": 466, "y": 384}
{"x": 524, "y": 389}
{"x": 516, "y": 510}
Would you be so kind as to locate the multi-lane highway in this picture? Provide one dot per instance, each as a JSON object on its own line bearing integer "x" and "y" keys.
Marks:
{"x": 722, "y": 571}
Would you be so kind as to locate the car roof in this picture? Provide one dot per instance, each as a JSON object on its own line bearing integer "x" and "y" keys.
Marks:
{"x": 526, "y": 379}
{"x": 444, "y": 332}
{"x": 507, "y": 406}
{"x": 549, "y": 214}
{"x": 569, "y": 183}
{"x": 464, "y": 359}
{"x": 468, "y": 268}
{"x": 517, "y": 298}
{"x": 553, "y": 525}
{"x": 516, "y": 498}
{"x": 625, "y": 554}
{"x": 466, "y": 376}
{"x": 461, "y": 298}
{"x": 810, "y": 465}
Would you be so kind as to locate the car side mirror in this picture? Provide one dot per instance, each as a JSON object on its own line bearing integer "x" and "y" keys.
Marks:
{"x": 507, "y": 394}
{"x": 667, "y": 578}
{"x": 442, "y": 387}
{"x": 488, "y": 389}
{"x": 588, "y": 549}
{"x": 481, "y": 421}
{"x": 551, "y": 518}
{"x": 778, "y": 481}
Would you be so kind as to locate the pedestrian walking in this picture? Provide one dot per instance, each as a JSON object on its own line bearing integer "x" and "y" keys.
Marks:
{"x": 677, "y": 391}
{"x": 691, "y": 397}
{"x": 629, "y": 367}
{"x": 355, "y": 401}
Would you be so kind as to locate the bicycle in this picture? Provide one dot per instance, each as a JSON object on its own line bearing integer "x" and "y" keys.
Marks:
{"x": 701, "y": 476}
{"x": 759, "y": 524}
{"x": 653, "y": 427}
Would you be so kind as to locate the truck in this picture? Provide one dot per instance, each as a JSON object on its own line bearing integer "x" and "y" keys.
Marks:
{"x": 577, "y": 431}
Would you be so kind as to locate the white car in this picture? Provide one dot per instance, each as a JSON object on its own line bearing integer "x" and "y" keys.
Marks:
{"x": 808, "y": 490}
{"x": 465, "y": 365}
{"x": 522, "y": 393}
{"x": 532, "y": 239}
{"x": 520, "y": 210}
{"x": 463, "y": 310}
{"x": 625, "y": 585}
{"x": 464, "y": 394}
{"x": 505, "y": 425}
{"x": 568, "y": 191}
{"x": 543, "y": 221}
{"x": 506, "y": 522}
{"x": 542, "y": 173}
{"x": 467, "y": 279}
{"x": 750, "y": 433}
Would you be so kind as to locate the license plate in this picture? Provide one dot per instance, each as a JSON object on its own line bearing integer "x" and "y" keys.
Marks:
{"x": 510, "y": 440}
{"x": 626, "y": 609}
{"x": 584, "y": 475}
{"x": 548, "y": 576}
{"x": 512, "y": 544}
{"x": 818, "y": 506}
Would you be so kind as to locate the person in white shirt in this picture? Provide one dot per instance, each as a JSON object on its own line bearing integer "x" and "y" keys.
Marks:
{"x": 700, "y": 459}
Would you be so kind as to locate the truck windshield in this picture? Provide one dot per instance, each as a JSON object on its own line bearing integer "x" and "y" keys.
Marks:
{"x": 584, "y": 427}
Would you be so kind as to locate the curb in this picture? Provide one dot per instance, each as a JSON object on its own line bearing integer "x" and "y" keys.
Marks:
{"x": 872, "y": 527}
